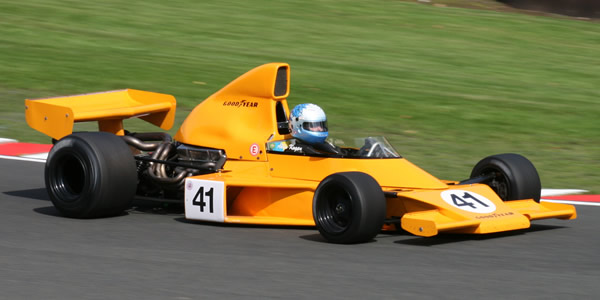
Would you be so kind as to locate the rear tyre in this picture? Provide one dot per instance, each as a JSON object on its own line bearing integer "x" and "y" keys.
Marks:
{"x": 90, "y": 175}
{"x": 349, "y": 208}
{"x": 513, "y": 176}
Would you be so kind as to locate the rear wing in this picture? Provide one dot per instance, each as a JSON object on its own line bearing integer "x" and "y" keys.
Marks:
{"x": 55, "y": 116}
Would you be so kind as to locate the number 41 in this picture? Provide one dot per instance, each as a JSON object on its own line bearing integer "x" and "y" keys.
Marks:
{"x": 200, "y": 202}
{"x": 458, "y": 201}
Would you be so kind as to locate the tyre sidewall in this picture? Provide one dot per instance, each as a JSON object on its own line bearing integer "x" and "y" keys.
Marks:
{"x": 523, "y": 179}
{"x": 70, "y": 203}
{"x": 367, "y": 202}
{"x": 108, "y": 169}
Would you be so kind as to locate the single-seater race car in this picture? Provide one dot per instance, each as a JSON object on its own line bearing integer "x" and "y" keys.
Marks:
{"x": 225, "y": 164}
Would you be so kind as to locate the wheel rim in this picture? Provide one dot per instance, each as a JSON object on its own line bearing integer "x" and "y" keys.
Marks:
{"x": 499, "y": 182}
{"x": 68, "y": 180}
{"x": 334, "y": 209}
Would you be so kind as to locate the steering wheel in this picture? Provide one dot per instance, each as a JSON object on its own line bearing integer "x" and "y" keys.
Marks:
{"x": 374, "y": 148}
{"x": 371, "y": 148}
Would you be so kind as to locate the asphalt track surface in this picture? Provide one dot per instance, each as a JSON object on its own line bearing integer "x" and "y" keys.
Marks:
{"x": 156, "y": 254}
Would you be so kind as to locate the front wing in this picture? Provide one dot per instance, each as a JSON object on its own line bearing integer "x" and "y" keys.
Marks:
{"x": 469, "y": 209}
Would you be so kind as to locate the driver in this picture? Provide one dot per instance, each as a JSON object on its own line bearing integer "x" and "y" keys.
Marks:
{"x": 308, "y": 125}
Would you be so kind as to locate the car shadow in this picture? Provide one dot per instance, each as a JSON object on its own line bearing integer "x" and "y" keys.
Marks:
{"x": 48, "y": 211}
{"x": 53, "y": 212}
{"x": 137, "y": 208}
{"x": 443, "y": 238}
{"x": 238, "y": 225}
{"x": 447, "y": 238}
{"x": 156, "y": 208}
{"x": 316, "y": 237}
{"x": 37, "y": 194}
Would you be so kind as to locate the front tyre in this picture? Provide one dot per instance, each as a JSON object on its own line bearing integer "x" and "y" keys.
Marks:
{"x": 511, "y": 176}
{"x": 349, "y": 208}
{"x": 90, "y": 175}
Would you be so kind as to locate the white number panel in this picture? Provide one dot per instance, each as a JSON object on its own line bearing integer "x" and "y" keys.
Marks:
{"x": 204, "y": 200}
{"x": 469, "y": 201}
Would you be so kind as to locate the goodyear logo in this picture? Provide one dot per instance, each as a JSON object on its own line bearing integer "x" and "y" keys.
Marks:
{"x": 496, "y": 215}
{"x": 242, "y": 103}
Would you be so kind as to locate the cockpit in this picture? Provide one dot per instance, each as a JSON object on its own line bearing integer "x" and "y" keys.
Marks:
{"x": 369, "y": 147}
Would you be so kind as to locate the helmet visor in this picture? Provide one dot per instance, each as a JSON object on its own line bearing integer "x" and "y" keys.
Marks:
{"x": 315, "y": 126}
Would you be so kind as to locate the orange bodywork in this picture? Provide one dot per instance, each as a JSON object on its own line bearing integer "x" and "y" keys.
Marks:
{"x": 256, "y": 186}
{"x": 55, "y": 116}
{"x": 278, "y": 189}
{"x": 256, "y": 193}
{"x": 241, "y": 114}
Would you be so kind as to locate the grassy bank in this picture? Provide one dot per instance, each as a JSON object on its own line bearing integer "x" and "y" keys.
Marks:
{"x": 447, "y": 86}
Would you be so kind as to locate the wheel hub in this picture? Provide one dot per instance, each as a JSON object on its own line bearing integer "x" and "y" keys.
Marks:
{"x": 340, "y": 208}
{"x": 500, "y": 186}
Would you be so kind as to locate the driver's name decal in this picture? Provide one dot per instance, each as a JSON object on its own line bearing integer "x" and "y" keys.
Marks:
{"x": 295, "y": 148}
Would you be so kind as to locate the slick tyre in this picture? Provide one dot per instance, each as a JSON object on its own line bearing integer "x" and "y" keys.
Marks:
{"x": 349, "y": 208}
{"x": 513, "y": 176}
{"x": 91, "y": 175}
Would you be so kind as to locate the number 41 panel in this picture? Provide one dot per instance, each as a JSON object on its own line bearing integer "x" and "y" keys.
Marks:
{"x": 204, "y": 200}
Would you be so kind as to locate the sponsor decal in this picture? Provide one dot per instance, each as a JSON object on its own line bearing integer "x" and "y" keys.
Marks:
{"x": 241, "y": 103}
{"x": 278, "y": 146}
{"x": 496, "y": 215}
{"x": 254, "y": 149}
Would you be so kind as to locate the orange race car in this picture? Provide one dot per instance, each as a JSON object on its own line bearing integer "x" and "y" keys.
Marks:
{"x": 234, "y": 160}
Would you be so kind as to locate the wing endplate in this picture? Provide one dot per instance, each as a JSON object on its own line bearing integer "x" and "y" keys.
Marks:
{"x": 431, "y": 222}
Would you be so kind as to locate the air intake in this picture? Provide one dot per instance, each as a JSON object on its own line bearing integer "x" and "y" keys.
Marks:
{"x": 281, "y": 82}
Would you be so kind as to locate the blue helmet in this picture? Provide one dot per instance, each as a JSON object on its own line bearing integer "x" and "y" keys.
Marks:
{"x": 308, "y": 123}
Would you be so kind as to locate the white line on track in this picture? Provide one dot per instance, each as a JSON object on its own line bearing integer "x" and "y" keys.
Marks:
{"x": 572, "y": 202}
{"x": 23, "y": 158}
{"x": 4, "y": 140}
{"x": 42, "y": 156}
{"x": 561, "y": 192}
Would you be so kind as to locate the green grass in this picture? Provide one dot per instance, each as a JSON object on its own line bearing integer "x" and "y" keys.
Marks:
{"x": 447, "y": 86}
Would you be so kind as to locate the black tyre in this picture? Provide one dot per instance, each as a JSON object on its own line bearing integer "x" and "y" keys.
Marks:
{"x": 90, "y": 175}
{"x": 349, "y": 208}
{"x": 513, "y": 176}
